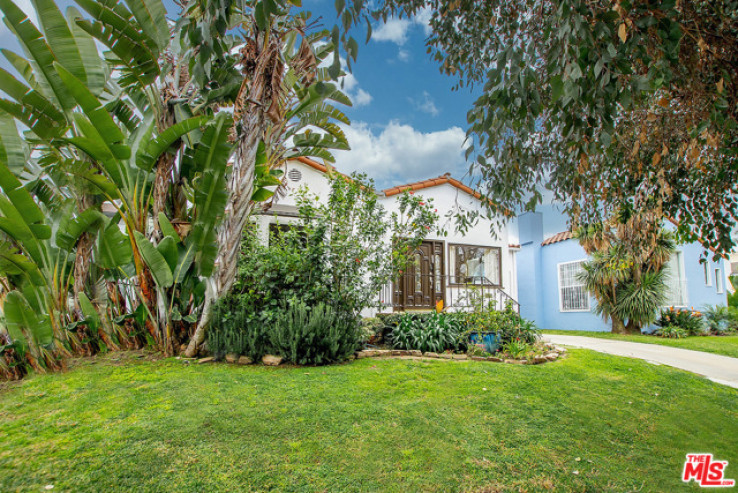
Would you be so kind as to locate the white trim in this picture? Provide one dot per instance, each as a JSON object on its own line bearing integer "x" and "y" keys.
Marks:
{"x": 708, "y": 274}
{"x": 561, "y": 299}
{"x": 719, "y": 282}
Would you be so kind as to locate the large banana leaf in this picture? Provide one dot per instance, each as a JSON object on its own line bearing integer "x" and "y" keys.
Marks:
{"x": 92, "y": 318}
{"x": 37, "y": 48}
{"x": 13, "y": 150}
{"x": 72, "y": 228}
{"x": 93, "y": 108}
{"x": 211, "y": 156}
{"x": 156, "y": 262}
{"x": 152, "y": 18}
{"x": 59, "y": 36}
{"x": 22, "y": 319}
{"x": 113, "y": 248}
{"x": 150, "y": 152}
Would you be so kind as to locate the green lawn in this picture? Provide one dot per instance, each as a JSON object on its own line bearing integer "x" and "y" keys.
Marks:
{"x": 727, "y": 345}
{"x": 371, "y": 425}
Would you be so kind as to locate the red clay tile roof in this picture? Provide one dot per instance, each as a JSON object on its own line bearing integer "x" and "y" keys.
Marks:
{"x": 512, "y": 245}
{"x": 563, "y": 236}
{"x": 434, "y": 182}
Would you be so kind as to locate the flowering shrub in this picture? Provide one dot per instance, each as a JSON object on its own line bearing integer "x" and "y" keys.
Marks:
{"x": 691, "y": 321}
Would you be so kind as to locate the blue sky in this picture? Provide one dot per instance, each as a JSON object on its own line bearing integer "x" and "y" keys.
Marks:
{"x": 407, "y": 122}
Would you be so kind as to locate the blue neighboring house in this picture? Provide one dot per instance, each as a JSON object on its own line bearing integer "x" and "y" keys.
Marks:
{"x": 550, "y": 294}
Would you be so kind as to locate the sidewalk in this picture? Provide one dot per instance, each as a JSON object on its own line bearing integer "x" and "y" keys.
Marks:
{"x": 718, "y": 368}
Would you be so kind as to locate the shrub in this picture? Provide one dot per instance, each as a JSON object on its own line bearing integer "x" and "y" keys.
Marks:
{"x": 315, "y": 335}
{"x": 506, "y": 324}
{"x": 720, "y": 319}
{"x": 671, "y": 331}
{"x": 301, "y": 334}
{"x": 436, "y": 332}
{"x": 517, "y": 349}
{"x": 689, "y": 320}
{"x": 237, "y": 330}
{"x": 372, "y": 330}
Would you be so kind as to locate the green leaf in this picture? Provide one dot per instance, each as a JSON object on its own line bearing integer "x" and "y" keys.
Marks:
{"x": 152, "y": 18}
{"x": 95, "y": 111}
{"x": 155, "y": 148}
{"x": 155, "y": 261}
{"x": 35, "y": 44}
{"x": 557, "y": 88}
{"x": 72, "y": 228}
{"x": 113, "y": 248}
{"x": 22, "y": 320}
{"x": 92, "y": 318}
{"x": 167, "y": 229}
{"x": 168, "y": 249}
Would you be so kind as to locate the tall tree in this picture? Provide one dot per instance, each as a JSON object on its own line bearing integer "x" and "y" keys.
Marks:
{"x": 598, "y": 100}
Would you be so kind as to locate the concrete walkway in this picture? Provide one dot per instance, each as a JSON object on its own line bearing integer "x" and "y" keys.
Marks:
{"x": 718, "y": 368}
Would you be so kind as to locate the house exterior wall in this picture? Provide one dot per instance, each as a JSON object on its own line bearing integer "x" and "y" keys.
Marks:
{"x": 448, "y": 199}
{"x": 539, "y": 279}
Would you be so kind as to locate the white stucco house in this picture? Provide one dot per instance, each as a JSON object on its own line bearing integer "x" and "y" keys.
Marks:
{"x": 445, "y": 267}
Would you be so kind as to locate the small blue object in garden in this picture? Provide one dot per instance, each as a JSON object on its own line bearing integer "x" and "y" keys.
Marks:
{"x": 489, "y": 339}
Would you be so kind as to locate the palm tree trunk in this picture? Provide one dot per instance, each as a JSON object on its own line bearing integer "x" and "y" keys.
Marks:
{"x": 618, "y": 326}
{"x": 230, "y": 232}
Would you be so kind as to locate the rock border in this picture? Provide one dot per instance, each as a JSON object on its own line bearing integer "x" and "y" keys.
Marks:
{"x": 553, "y": 353}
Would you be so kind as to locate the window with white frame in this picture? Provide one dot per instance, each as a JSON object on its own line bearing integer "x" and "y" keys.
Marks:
{"x": 676, "y": 294}
{"x": 572, "y": 295}
{"x": 708, "y": 277}
{"x": 718, "y": 281}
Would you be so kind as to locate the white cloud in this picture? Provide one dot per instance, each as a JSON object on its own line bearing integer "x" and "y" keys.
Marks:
{"x": 394, "y": 30}
{"x": 425, "y": 104}
{"x": 400, "y": 154}
{"x": 423, "y": 18}
{"x": 361, "y": 98}
{"x": 403, "y": 55}
{"x": 349, "y": 84}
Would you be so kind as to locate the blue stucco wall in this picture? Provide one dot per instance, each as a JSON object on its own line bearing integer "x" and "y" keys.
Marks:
{"x": 538, "y": 283}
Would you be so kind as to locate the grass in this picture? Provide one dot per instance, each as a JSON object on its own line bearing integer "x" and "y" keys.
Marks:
{"x": 371, "y": 425}
{"x": 725, "y": 345}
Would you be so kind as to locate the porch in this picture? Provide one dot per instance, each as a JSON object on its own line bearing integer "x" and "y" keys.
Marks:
{"x": 416, "y": 291}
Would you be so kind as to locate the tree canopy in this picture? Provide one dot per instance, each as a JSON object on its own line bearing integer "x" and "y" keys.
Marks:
{"x": 609, "y": 104}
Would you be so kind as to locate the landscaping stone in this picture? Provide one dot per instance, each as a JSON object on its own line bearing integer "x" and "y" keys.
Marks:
{"x": 552, "y": 356}
{"x": 431, "y": 355}
{"x": 478, "y": 358}
{"x": 231, "y": 357}
{"x": 495, "y": 359}
{"x": 515, "y": 361}
{"x": 271, "y": 360}
{"x": 245, "y": 360}
{"x": 460, "y": 356}
{"x": 446, "y": 356}
{"x": 538, "y": 359}
{"x": 415, "y": 353}
{"x": 209, "y": 359}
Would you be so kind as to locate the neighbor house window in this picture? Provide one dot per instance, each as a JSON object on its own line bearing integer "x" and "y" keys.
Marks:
{"x": 708, "y": 278}
{"x": 677, "y": 286}
{"x": 475, "y": 264}
{"x": 573, "y": 297}
{"x": 718, "y": 281}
